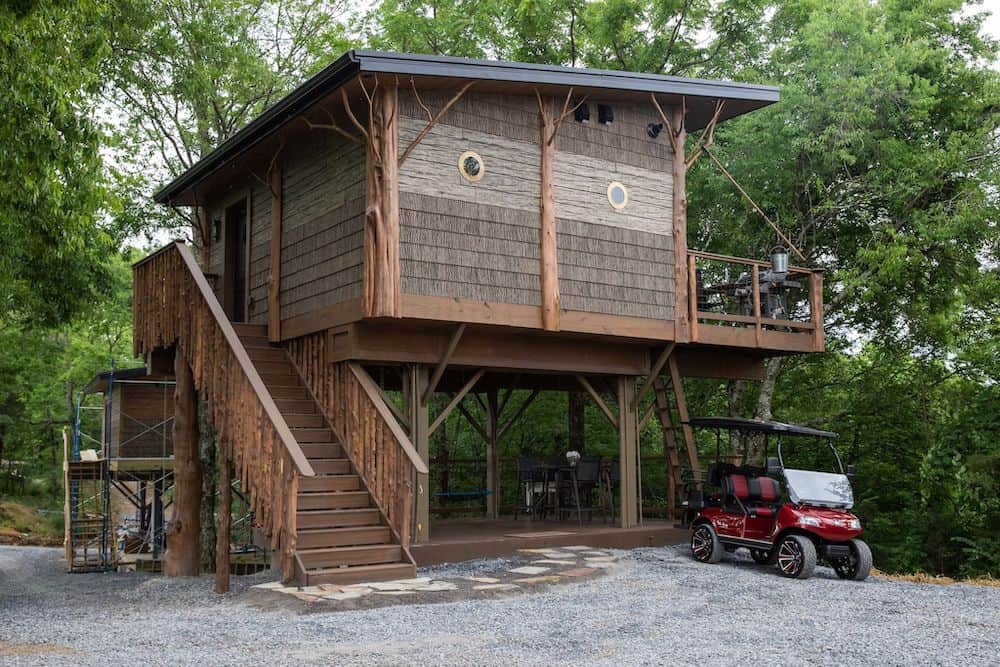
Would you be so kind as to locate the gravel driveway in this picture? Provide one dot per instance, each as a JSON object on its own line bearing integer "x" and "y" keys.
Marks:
{"x": 656, "y": 607}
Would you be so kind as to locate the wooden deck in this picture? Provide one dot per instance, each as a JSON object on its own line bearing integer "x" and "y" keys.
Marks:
{"x": 455, "y": 540}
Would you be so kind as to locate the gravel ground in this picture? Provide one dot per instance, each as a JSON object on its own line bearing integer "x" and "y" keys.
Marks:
{"x": 656, "y": 607}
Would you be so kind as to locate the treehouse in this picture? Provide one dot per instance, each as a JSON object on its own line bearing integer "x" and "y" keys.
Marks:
{"x": 405, "y": 236}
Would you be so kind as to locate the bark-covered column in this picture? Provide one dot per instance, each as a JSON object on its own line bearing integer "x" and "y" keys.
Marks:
{"x": 223, "y": 522}
{"x": 183, "y": 557}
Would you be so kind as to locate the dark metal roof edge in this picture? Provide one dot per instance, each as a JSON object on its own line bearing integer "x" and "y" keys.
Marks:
{"x": 409, "y": 63}
{"x": 740, "y": 423}
{"x": 355, "y": 61}
{"x": 330, "y": 77}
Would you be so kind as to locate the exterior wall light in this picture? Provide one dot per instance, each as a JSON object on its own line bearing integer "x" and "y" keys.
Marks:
{"x": 654, "y": 129}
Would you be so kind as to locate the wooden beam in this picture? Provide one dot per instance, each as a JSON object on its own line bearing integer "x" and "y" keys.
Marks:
{"x": 223, "y": 522}
{"x": 456, "y": 400}
{"x": 381, "y": 272}
{"x": 549, "y": 268}
{"x": 517, "y": 414}
{"x": 473, "y": 422}
{"x": 443, "y": 364}
{"x": 492, "y": 460}
{"x": 693, "y": 297}
{"x": 183, "y": 557}
{"x": 682, "y": 411}
{"x": 673, "y": 470}
{"x": 274, "y": 274}
{"x": 646, "y": 415}
{"x": 653, "y": 372}
{"x": 628, "y": 453}
{"x": 396, "y": 410}
{"x": 681, "y": 296}
{"x": 585, "y": 383}
{"x": 419, "y": 414}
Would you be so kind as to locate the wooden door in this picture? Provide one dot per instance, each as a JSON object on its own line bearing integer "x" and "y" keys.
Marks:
{"x": 235, "y": 279}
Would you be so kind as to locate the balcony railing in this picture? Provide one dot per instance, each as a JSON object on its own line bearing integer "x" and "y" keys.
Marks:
{"x": 746, "y": 303}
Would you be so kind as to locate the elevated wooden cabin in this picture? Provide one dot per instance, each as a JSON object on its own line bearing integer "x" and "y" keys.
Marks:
{"x": 430, "y": 224}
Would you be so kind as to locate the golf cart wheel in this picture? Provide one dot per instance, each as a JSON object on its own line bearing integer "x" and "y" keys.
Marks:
{"x": 705, "y": 545}
{"x": 796, "y": 557}
{"x": 858, "y": 565}
{"x": 761, "y": 556}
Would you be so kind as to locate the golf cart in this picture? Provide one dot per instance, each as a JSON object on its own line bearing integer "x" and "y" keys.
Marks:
{"x": 794, "y": 527}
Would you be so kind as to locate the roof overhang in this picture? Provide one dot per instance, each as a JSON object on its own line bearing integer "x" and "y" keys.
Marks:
{"x": 740, "y": 98}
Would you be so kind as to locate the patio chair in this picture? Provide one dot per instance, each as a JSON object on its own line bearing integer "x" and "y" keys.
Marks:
{"x": 531, "y": 478}
{"x": 610, "y": 477}
{"x": 588, "y": 477}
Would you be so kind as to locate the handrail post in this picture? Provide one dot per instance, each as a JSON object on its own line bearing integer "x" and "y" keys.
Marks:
{"x": 693, "y": 297}
{"x": 816, "y": 309}
{"x": 755, "y": 286}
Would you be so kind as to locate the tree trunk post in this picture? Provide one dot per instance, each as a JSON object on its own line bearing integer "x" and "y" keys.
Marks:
{"x": 183, "y": 557}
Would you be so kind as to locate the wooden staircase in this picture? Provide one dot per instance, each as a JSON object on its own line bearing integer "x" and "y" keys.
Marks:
{"x": 341, "y": 535}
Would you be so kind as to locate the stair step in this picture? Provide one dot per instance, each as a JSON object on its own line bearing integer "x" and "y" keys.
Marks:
{"x": 361, "y": 574}
{"x": 342, "y": 537}
{"x": 327, "y": 483}
{"x": 368, "y": 516}
{"x": 288, "y": 391}
{"x": 331, "y": 466}
{"x": 335, "y": 500}
{"x": 332, "y": 557}
{"x": 304, "y": 420}
{"x": 322, "y": 450}
{"x": 282, "y": 380}
{"x": 244, "y": 329}
{"x": 306, "y": 435}
{"x": 291, "y": 405}
{"x": 277, "y": 368}
{"x": 269, "y": 354}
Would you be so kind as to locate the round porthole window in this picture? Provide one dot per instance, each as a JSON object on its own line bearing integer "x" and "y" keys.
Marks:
{"x": 617, "y": 195}
{"x": 471, "y": 166}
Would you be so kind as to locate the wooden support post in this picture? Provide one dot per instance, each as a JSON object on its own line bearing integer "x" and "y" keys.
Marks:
{"x": 466, "y": 388}
{"x": 628, "y": 452}
{"x": 585, "y": 383}
{"x": 183, "y": 558}
{"x": 547, "y": 209}
{"x": 816, "y": 309}
{"x": 223, "y": 521}
{"x": 682, "y": 333}
{"x": 419, "y": 414}
{"x": 381, "y": 283}
{"x": 274, "y": 274}
{"x": 492, "y": 468}
{"x": 682, "y": 411}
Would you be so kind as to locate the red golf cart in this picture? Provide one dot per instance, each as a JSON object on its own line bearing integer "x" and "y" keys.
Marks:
{"x": 793, "y": 522}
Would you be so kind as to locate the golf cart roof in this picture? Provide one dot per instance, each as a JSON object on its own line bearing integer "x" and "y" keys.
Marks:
{"x": 758, "y": 426}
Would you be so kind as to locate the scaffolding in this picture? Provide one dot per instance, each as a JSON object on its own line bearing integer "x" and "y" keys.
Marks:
{"x": 120, "y": 454}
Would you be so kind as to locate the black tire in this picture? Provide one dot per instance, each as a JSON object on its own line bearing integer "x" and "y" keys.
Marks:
{"x": 705, "y": 545}
{"x": 796, "y": 557}
{"x": 858, "y": 565}
{"x": 761, "y": 556}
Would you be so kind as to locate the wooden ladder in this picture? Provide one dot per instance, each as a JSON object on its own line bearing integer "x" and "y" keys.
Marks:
{"x": 341, "y": 535}
{"x": 664, "y": 412}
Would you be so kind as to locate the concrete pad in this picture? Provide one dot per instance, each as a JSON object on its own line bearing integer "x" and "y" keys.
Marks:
{"x": 529, "y": 569}
{"x": 553, "y": 562}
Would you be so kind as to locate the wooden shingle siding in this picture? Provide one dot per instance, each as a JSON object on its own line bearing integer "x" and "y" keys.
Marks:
{"x": 323, "y": 224}
{"x": 260, "y": 251}
{"x": 615, "y": 271}
{"x": 481, "y": 240}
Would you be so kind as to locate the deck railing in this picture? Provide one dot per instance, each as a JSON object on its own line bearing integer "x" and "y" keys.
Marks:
{"x": 172, "y": 305}
{"x": 380, "y": 450}
{"x": 741, "y": 302}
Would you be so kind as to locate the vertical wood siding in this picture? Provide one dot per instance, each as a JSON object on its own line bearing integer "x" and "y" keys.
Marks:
{"x": 480, "y": 240}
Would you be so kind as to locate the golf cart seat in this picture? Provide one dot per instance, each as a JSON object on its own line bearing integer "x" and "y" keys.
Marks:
{"x": 759, "y": 495}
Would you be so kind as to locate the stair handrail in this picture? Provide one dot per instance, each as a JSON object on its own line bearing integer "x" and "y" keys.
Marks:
{"x": 371, "y": 390}
{"x": 291, "y": 445}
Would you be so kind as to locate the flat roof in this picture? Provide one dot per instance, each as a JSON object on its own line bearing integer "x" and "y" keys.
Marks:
{"x": 747, "y": 97}
{"x": 758, "y": 426}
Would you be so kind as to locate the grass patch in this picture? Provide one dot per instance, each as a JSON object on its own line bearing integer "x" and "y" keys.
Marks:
{"x": 22, "y": 523}
{"x": 937, "y": 579}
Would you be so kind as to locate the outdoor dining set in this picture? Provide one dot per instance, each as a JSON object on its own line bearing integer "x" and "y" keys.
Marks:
{"x": 567, "y": 485}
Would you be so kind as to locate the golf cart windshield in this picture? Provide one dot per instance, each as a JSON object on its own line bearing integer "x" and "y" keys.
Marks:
{"x": 826, "y": 489}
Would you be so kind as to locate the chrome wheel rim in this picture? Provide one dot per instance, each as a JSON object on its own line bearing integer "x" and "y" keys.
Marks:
{"x": 790, "y": 557}
{"x": 702, "y": 543}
